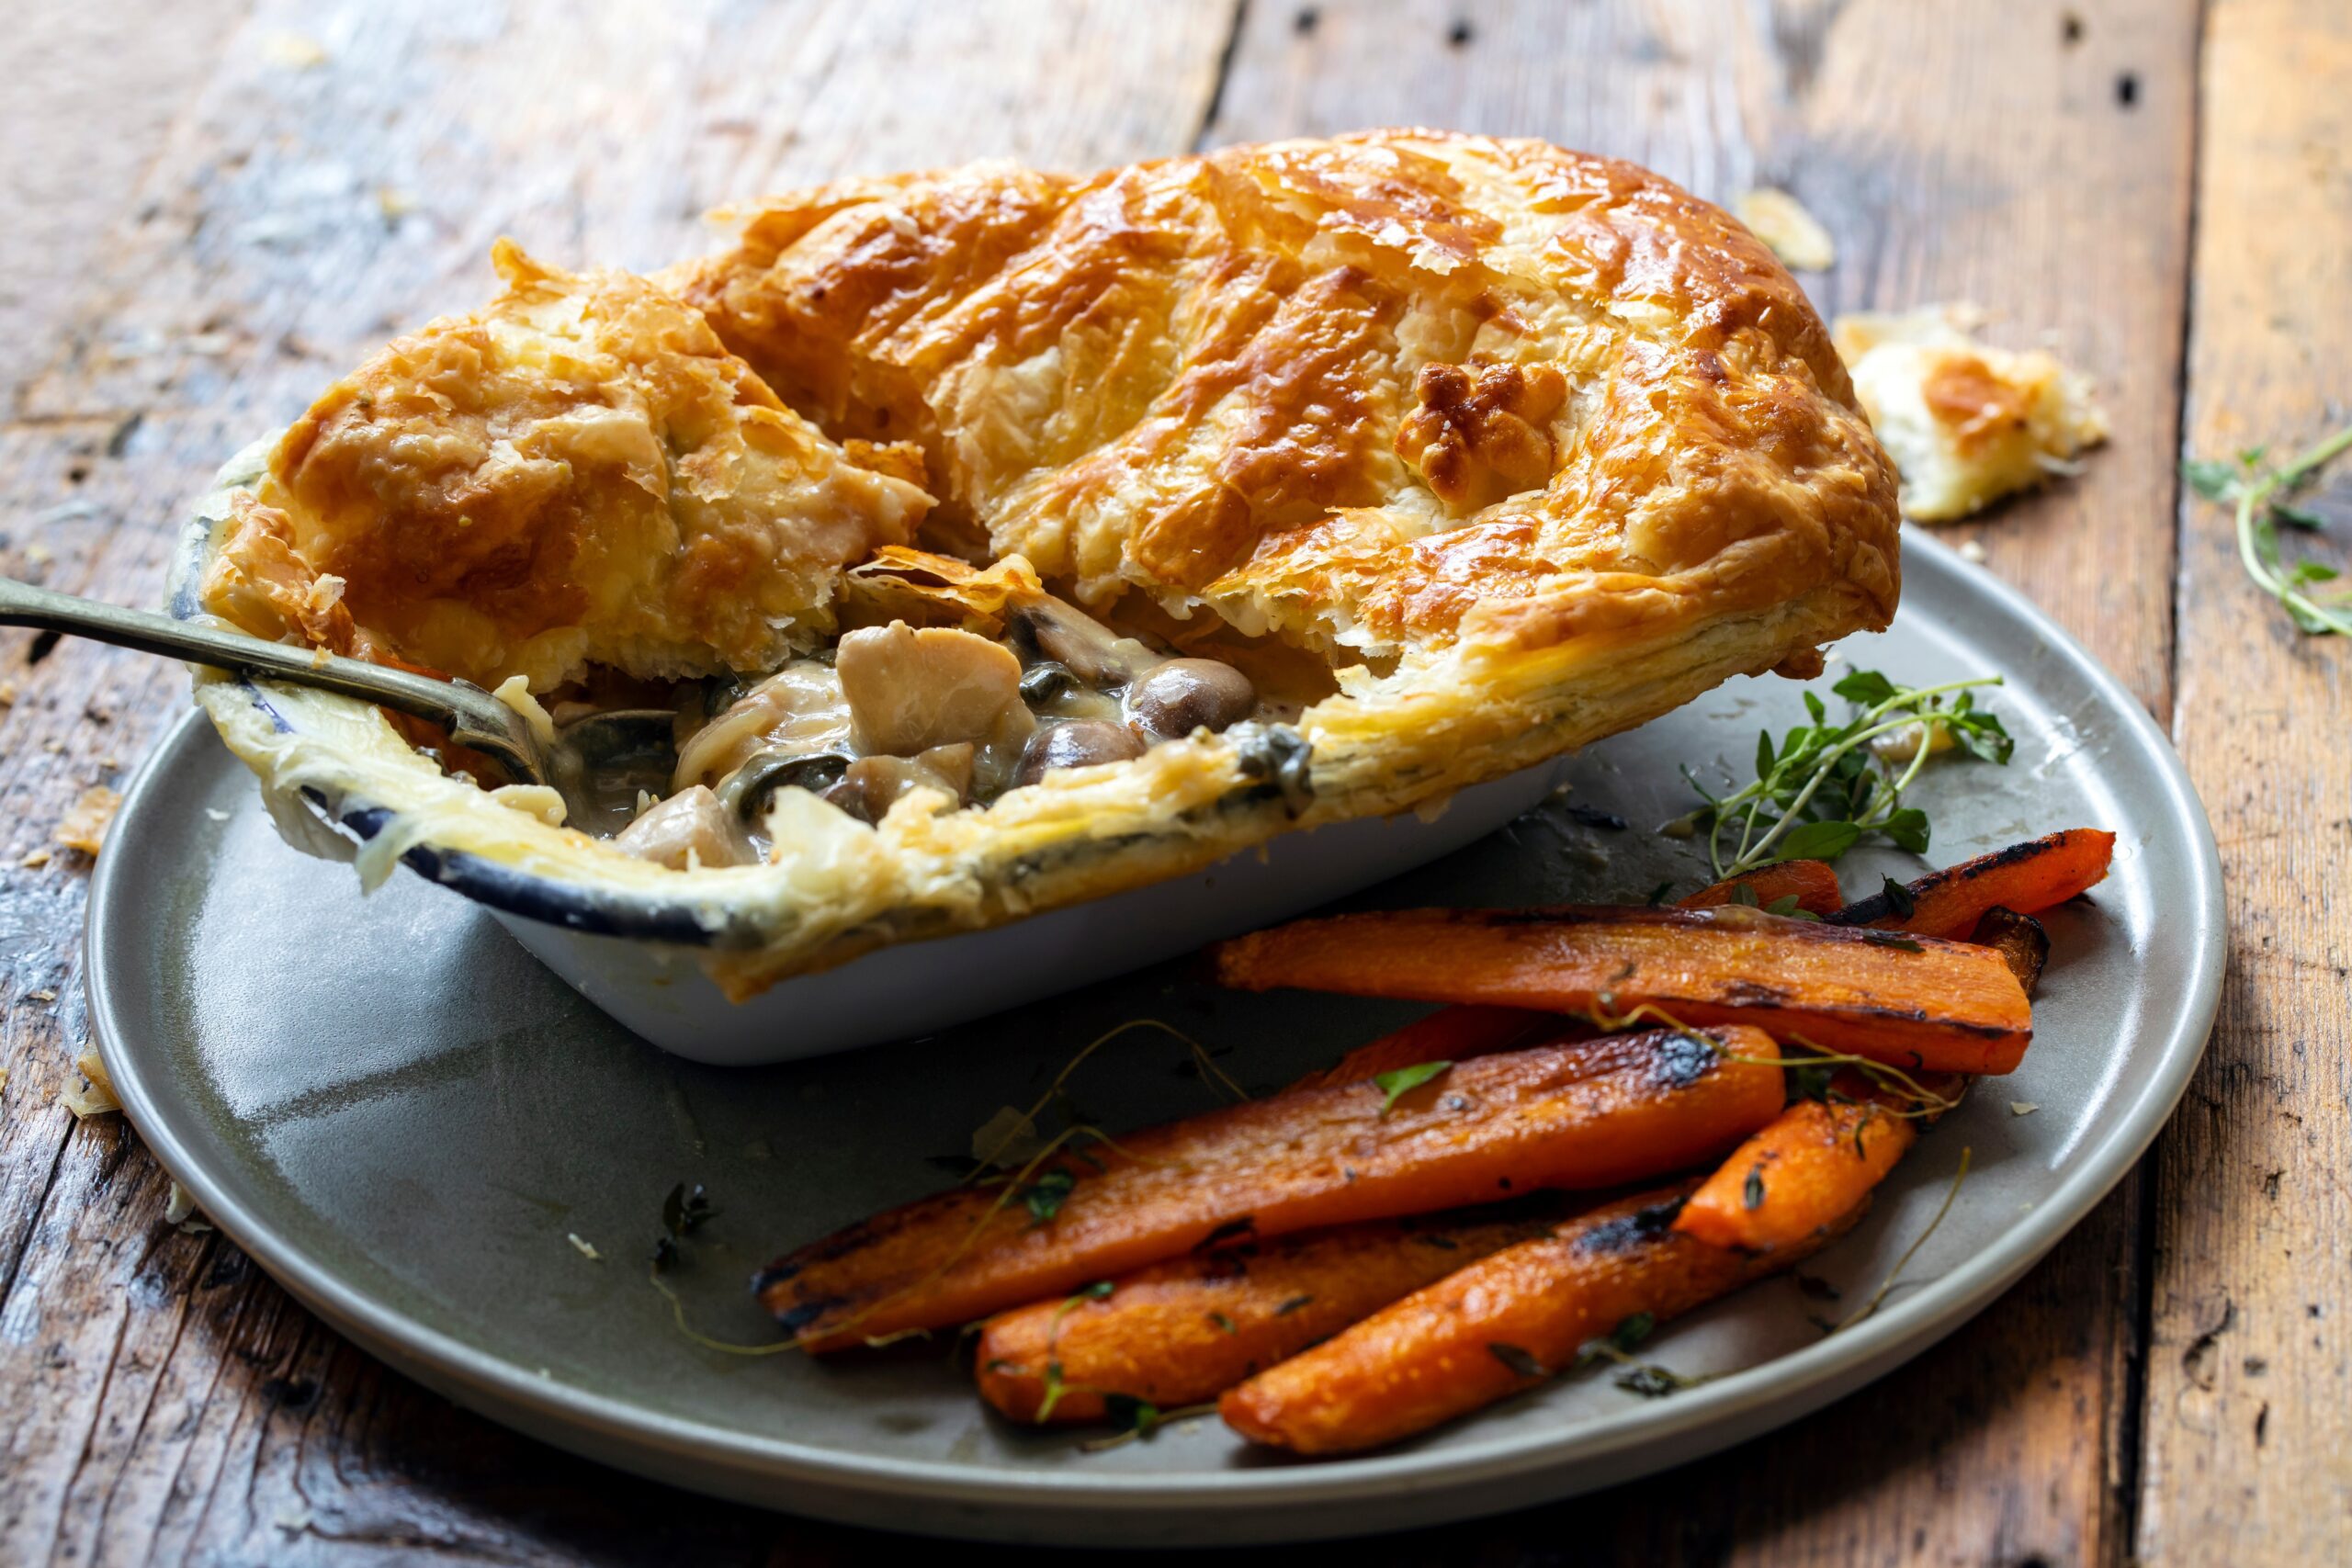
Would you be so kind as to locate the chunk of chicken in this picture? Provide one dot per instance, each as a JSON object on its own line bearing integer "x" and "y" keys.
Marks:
{"x": 911, "y": 689}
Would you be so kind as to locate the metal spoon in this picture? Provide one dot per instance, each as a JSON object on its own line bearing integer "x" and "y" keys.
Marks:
{"x": 475, "y": 720}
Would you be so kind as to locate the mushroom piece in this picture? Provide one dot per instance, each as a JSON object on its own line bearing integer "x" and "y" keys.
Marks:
{"x": 911, "y": 689}
{"x": 1184, "y": 695}
{"x": 1080, "y": 743}
{"x": 873, "y": 784}
{"x": 689, "y": 830}
{"x": 799, "y": 711}
{"x": 747, "y": 789}
{"x": 1070, "y": 636}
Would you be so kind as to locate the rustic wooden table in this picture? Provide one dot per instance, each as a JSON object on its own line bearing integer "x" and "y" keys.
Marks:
{"x": 209, "y": 208}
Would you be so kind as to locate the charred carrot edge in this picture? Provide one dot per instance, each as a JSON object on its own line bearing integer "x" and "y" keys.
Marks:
{"x": 1811, "y": 883}
{"x": 1185, "y": 1330}
{"x": 1582, "y": 1115}
{"x": 2029, "y": 878}
{"x": 2020, "y": 940}
{"x": 1914, "y": 1002}
{"x": 1499, "y": 1326}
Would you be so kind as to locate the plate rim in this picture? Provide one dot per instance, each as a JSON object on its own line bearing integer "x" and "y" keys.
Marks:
{"x": 1240, "y": 1504}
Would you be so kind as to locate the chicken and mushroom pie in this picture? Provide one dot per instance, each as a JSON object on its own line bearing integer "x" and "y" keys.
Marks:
{"x": 1002, "y": 538}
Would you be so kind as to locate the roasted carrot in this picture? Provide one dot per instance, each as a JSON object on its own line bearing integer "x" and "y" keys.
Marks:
{"x": 1457, "y": 1034}
{"x": 1499, "y": 1326}
{"x": 2029, "y": 878}
{"x": 1186, "y": 1330}
{"x": 1817, "y": 1159}
{"x": 1912, "y": 1001}
{"x": 1588, "y": 1114}
{"x": 1818, "y": 1156}
{"x": 1810, "y": 882}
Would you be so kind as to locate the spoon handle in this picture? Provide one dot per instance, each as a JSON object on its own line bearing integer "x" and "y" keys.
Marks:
{"x": 474, "y": 718}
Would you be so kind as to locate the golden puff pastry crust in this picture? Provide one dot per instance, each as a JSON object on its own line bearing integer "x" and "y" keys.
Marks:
{"x": 1513, "y": 447}
{"x": 579, "y": 474}
{"x": 1371, "y": 394}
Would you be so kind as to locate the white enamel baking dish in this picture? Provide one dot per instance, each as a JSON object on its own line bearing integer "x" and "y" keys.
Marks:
{"x": 632, "y": 954}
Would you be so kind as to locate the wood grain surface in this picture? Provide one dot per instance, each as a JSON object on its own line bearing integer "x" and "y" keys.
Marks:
{"x": 214, "y": 207}
{"x": 2249, "y": 1399}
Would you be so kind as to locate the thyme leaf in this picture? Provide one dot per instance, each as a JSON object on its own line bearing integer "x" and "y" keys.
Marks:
{"x": 1401, "y": 1081}
{"x": 1521, "y": 1363}
{"x": 1044, "y": 1197}
{"x": 1652, "y": 1382}
{"x": 1899, "y": 902}
{"x": 684, "y": 1210}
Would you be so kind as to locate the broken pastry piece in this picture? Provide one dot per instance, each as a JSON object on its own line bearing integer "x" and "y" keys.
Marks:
{"x": 1781, "y": 221}
{"x": 1966, "y": 423}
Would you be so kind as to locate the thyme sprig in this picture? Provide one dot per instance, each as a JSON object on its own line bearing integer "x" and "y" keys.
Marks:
{"x": 1825, "y": 786}
{"x": 2262, "y": 498}
{"x": 1138, "y": 1419}
{"x": 1894, "y": 1275}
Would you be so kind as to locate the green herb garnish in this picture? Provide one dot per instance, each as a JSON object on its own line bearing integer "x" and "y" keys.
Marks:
{"x": 1751, "y": 1192}
{"x": 1224, "y": 1324}
{"x": 1809, "y": 1081}
{"x": 1521, "y": 1363}
{"x": 1404, "y": 1080}
{"x": 2262, "y": 498}
{"x": 1899, "y": 902}
{"x": 1896, "y": 1274}
{"x": 1823, "y": 789}
{"x": 1653, "y": 1382}
{"x": 1292, "y": 1305}
{"x": 1640, "y": 1377}
{"x": 684, "y": 1210}
{"x": 1618, "y": 1343}
{"x": 1129, "y": 1414}
{"x": 1044, "y": 1197}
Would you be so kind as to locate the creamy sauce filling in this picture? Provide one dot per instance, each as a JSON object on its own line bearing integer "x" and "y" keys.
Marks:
{"x": 894, "y": 709}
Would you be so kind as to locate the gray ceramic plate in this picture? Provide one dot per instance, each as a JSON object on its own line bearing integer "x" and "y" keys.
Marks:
{"x": 405, "y": 1119}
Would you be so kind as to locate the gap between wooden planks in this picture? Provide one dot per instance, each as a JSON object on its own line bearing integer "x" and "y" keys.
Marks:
{"x": 2248, "y": 1434}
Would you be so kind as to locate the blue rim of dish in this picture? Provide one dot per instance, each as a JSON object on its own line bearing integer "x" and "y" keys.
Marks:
{"x": 1698, "y": 1422}
{"x": 595, "y": 911}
